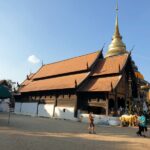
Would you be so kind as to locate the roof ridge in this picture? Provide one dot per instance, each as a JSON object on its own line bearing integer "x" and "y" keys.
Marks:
{"x": 73, "y": 58}
{"x": 55, "y": 63}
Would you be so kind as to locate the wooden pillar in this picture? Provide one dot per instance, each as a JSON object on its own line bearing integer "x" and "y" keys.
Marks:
{"x": 37, "y": 109}
{"x": 107, "y": 105}
{"x": 116, "y": 102}
{"x": 55, "y": 104}
{"x": 125, "y": 96}
{"x": 20, "y": 106}
{"x": 76, "y": 107}
{"x": 130, "y": 93}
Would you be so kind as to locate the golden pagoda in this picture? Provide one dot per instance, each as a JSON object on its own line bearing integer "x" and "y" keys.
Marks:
{"x": 117, "y": 46}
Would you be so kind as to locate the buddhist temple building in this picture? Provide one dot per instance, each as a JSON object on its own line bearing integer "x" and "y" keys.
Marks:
{"x": 88, "y": 83}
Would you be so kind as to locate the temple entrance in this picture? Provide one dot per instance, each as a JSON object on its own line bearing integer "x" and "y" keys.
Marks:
{"x": 121, "y": 106}
{"x": 121, "y": 102}
{"x": 97, "y": 110}
{"x": 111, "y": 107}
{"x": 111, "y": 104}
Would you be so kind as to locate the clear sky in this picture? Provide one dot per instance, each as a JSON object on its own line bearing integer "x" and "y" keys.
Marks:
{"x": 53, "y": 30}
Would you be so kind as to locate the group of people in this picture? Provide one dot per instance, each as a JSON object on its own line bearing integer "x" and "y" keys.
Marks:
{"x": 142, "y": 124}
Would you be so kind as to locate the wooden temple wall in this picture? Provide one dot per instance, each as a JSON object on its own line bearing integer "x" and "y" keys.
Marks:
{"x": 65, "y": 107}
{"x": 119, "y": 97}
{"x": 93, "y": 102}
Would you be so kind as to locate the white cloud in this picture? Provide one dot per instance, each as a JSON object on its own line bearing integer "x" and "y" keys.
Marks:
{"x": 33, "y": 59}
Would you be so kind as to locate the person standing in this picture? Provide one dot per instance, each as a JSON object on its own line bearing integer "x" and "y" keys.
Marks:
{"x": 145, "y": 125}
{"x": 141, "y": 124}
{"x": 91, "y": 124}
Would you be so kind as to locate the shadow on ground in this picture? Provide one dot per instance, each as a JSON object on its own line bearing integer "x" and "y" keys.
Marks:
{"x": 31, "y": 133}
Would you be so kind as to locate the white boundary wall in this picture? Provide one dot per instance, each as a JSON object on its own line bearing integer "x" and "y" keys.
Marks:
{"x": 29, "y": 109}
{"x": 65, "y": 113}
{"x": 100, "y": 119}
{"x": 4, "y": 107}
{"x": 18, "y": 108}
{"x": 46, "y": 110}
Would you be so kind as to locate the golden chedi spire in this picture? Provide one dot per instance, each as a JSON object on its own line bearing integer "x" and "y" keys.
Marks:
{"x": 117, "y": 46}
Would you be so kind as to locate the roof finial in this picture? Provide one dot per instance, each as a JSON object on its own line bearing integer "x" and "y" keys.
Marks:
{"x": 42, "y": 63}
{"x": 117, "y": 33}
{"x": 117, "y": 7}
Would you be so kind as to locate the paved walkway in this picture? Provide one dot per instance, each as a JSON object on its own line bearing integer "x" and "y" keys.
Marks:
{"x": 31, "y": 133}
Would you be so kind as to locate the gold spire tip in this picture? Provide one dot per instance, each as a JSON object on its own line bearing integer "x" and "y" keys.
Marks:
{"x": 117, "y": 6}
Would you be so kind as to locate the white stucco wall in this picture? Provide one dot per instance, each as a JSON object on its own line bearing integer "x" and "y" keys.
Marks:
{"x": 97, "y": 118}
{"x": 100, "y": 119}
{"x": 4, "y": 107}
{"x": 17, "y": 107}
{"x": 29, "y": 109}
{"x": 46, "y": 110}
{"x": 65, "y": 113}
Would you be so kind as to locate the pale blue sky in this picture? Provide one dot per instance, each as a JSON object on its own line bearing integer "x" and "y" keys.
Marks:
{"x": 54, "y": 30}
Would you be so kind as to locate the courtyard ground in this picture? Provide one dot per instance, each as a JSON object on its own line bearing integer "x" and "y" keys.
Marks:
{"x": 32, "y": 133}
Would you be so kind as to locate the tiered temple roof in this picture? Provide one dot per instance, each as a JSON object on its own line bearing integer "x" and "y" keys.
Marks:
{"x": 103, "y": 84}
{"x": 106, "y": 75}
{"x": 56, "y": 83}
{"x": 65, "y": 74}
{"x": 110, "y": 65}
{"x": 73, "y": 65}
{"x": 95, "y": 72}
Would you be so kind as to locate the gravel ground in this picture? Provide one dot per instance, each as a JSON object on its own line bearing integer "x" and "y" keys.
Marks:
{"x": 32, "y": 133}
